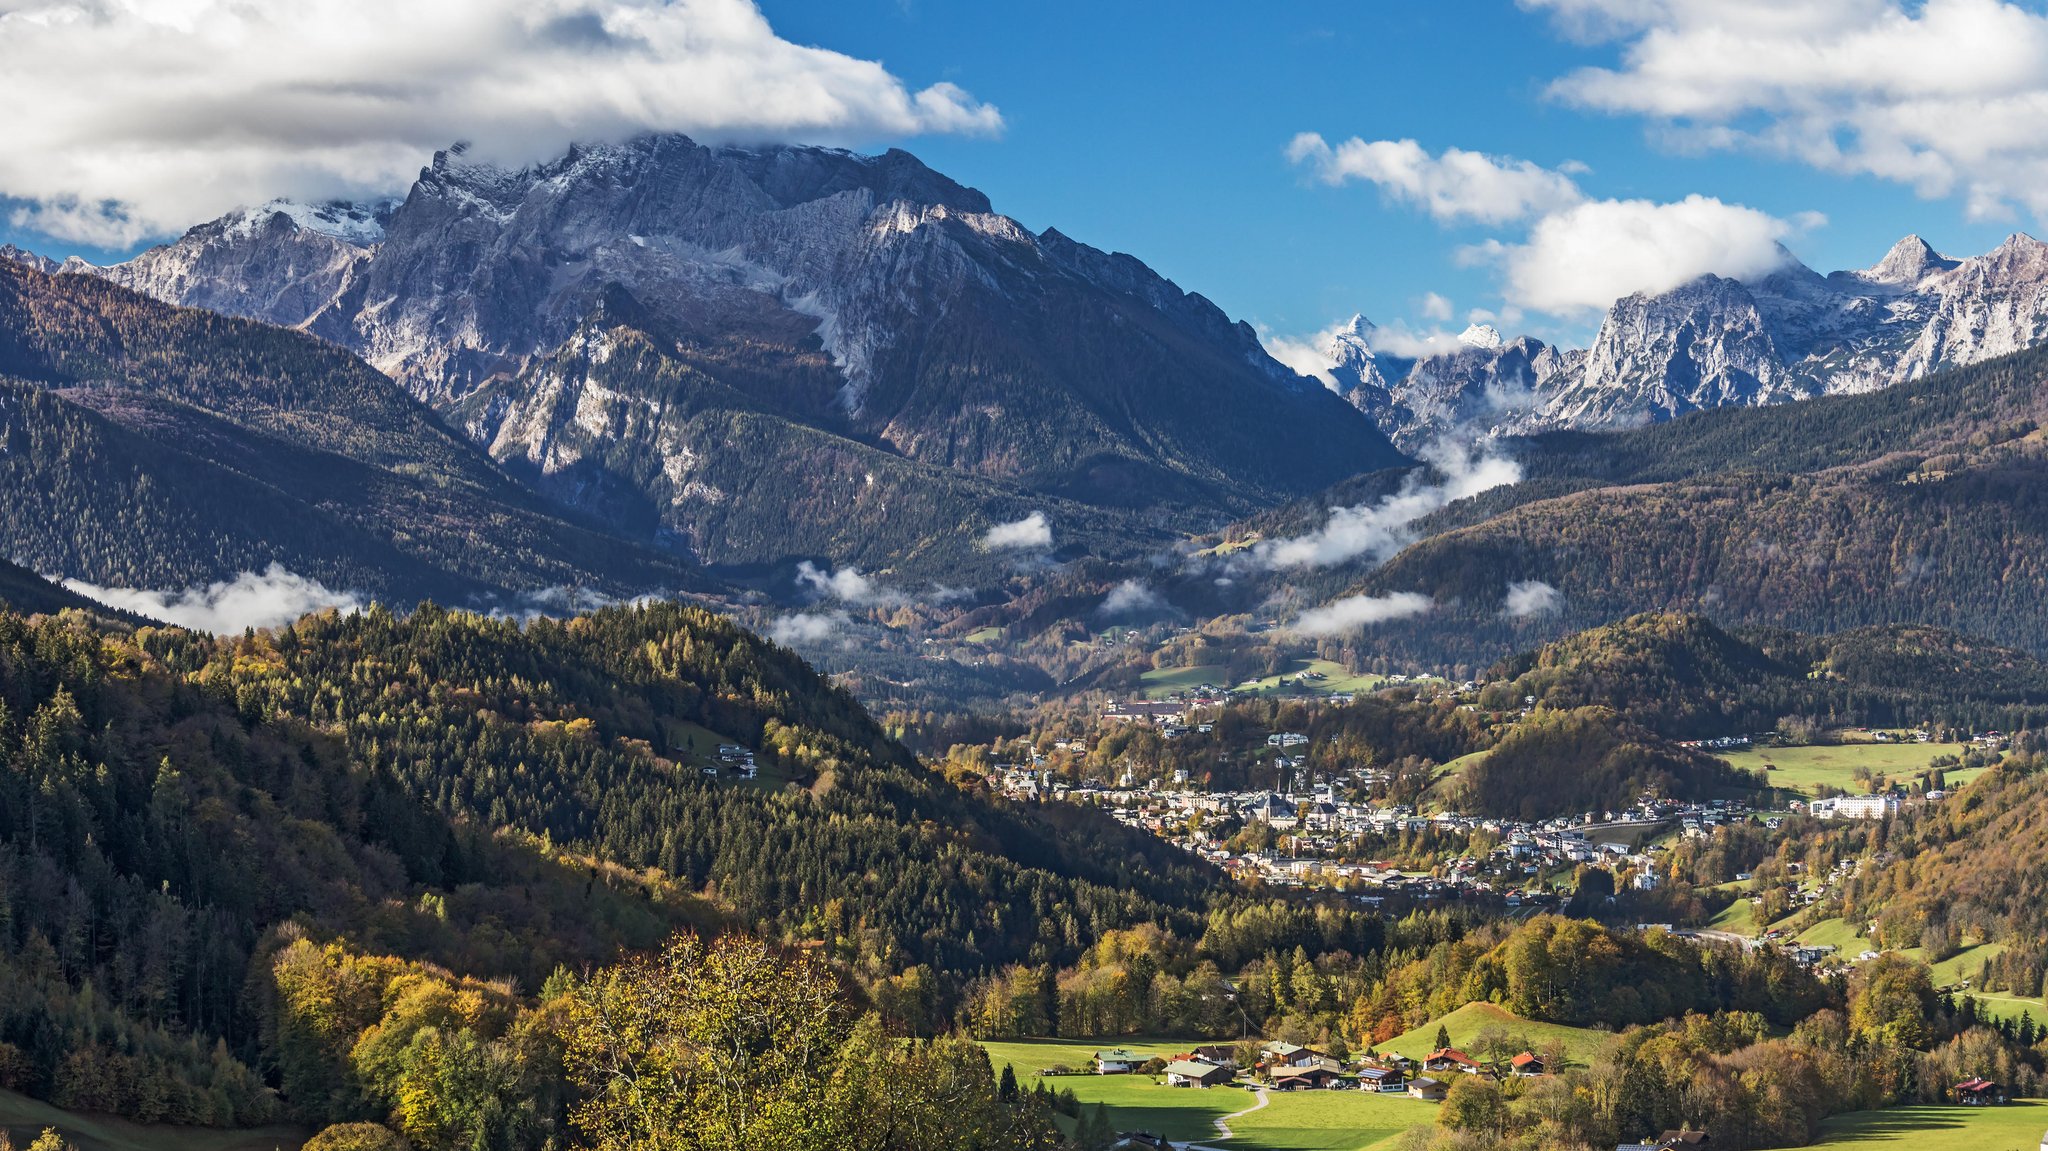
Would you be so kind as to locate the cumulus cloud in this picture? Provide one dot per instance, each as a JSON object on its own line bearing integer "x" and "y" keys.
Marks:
{"x": 1943, "y": 96}
{"x": 1031, "y": 532}
{"x": 811, "y": 627}
{"x": 1587, "y": 256}
{"x": 1376, "y": 531}
{"x": 1315, "y": 356}
{"x": 134, "y": 120}
{"x": 1133, "y": 597}
{"x": 1354, "y": 612}
{"x": 1453, "y": 186}
{"x": 847, "y": 584}
{"x": 1531, "y": 597}
{"x": 1436, "y": 307}
{"x": 271, "y": 599}
{"x": 1578, "y": 254}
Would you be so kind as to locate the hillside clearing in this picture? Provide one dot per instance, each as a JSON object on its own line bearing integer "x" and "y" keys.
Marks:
{"x": 1581, "y": 1044}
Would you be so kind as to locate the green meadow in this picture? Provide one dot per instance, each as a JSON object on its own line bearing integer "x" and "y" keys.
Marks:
{"x": 1467, "y": 1023}
{"x": 1938, "y": 1127}
{"x": 1806, "y": 769}
{"x": 1291, "y": 1120}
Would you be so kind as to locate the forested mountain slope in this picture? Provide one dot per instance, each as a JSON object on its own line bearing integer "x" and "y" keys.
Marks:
{"x": 26, "y": 593}
{"x": 195, "y": 827}
{"x": 154, "y": 446}
{"x": 1687, "y": 678}
{"x": 1918, "y": 504}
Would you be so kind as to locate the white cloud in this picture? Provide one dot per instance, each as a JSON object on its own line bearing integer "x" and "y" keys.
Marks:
{"x": 1376, "y": 531}
{"x": 1944, "y": 96}
{"x": 272, "y": 599}
{"x": 1579, "y": 254}
{"x": 1587, "y": 256}
{"x": 134, "y": 119}
{"x": 1133, "y": 597}
{"x": 1354, "y": 612}
{"x": 813, "y": 627}
{"x": 1452, "y": 186}
{"x": 847, "y": 584}
{"x": 1307, "y": 357}
{"x": 1031, "y": 532}
{"x": 1531, "y": 597}
{"x": 1312, "y": 356}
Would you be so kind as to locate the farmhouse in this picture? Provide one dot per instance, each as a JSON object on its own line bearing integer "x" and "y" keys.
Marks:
{"x": 1221, "y": 1054}
{"x": 1384, "y": 1079}
{"x": 1978, "y": 1093}
{"x": 1299, "y": 1078}
{"x": 1118, "y": 1062}
{"x": 1189, "y": 1073}
{"x": 1450, "y": 1059}
{"x": 1427, "y": 1088}
{"x": 1526, "y": 1064}
{"x": 1289, "y": 1055}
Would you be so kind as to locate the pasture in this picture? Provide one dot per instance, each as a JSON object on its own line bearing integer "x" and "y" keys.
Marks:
{"x": 1291, "y": 1120}
{"x": 1939, "y": 1127}
{"x": 1467, "y": 1023}
{"x": 1806, "y": 769}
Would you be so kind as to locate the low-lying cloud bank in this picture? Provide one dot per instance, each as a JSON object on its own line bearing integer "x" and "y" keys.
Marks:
{"x": 1531, "y": 597}
{"x": 273, "y": 598}
{"x": 1030, "y": 533}
{"x": 1376, "y": 531}
{"x": 811, "y": 627}
{"x": 1354, "y": 612}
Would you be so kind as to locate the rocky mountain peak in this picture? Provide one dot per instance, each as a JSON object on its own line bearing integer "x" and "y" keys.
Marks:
{"x": 1910, "y": 260}
{"x": 14, "y": 255}
{"x": 1480, "y": 336}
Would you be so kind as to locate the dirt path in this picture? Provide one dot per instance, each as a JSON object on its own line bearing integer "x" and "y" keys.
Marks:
{"x": 1223, "y": 1124}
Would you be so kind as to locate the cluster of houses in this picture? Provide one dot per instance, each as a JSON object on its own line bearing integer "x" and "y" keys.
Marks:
{"x": 1321, "y": 829}
{"x": 1291, "y": 1067}
{"x": 734, "y": 760}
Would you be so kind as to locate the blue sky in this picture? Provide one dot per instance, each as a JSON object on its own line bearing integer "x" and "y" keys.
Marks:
{"x": 1161, "y": 129}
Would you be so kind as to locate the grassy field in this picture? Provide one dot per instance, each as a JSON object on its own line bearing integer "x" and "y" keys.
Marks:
{"x": 1580, "y": 1044}
{"x": 1739, "y": 917}
{"x": 985, "y": 635}
{"x": 1327, "y": 1121}
{"x": 24, "y": 1118}
{"x": 1161, "y": 682}
{"x": 1291, "y": 1121}
{"x": 2016, "y": 1127}
{"x": 1805, "y": 769}
{"x": 1336, "y": 679}
{"x": 1846, "y": 938}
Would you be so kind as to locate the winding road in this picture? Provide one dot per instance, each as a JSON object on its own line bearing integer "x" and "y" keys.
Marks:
{"x": 1223, "y": 1124}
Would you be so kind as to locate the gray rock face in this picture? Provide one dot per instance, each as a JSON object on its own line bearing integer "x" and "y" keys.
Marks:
{"x": 1789, "y": 335}
{"x": 867, "y": 297}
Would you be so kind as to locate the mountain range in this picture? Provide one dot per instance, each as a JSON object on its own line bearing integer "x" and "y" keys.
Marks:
{"x": 743, "y": 356}
{"x": 1714, "y": 342}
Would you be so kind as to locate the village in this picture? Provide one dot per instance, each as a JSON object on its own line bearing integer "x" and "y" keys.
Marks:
{"x": 1321, "y": 830}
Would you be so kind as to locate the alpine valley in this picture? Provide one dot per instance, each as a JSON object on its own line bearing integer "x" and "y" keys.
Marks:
{"x": 712, "y": 648}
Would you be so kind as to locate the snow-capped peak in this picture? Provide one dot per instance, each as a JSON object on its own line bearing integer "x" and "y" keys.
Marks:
{"x": 1351, "y": 335}
{"x": 358, "y": 224}
{"x": 1480, "y": 336}
{"x": 1909, "y": 261}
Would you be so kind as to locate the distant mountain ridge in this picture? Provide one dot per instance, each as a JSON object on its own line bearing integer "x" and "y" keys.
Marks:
{"x": 1716, "y": 342}
{"x": 866, "y": 299}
